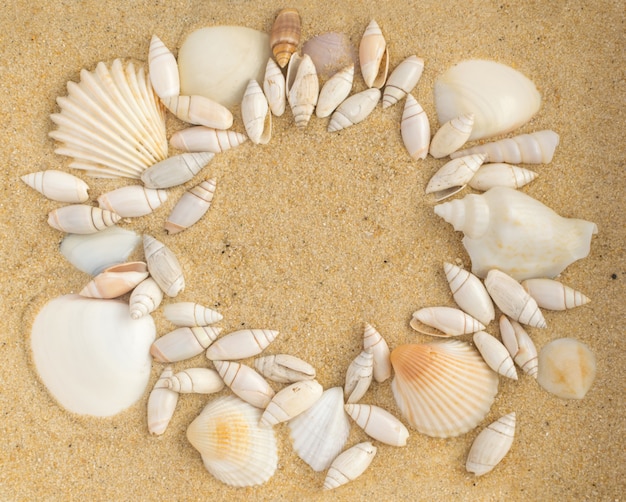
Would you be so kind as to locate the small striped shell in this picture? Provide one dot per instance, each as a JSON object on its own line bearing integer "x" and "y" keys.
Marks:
{"x": 116, "y": 280}
{"x": 196, "y": 381}
{"x": 175, "y": 170}
{"x": 241, "y": 344}
{"x": 359, "y": 376}
{"x": 161, "y": 404}
{"x": 454, "y": 175}
{"x": 520, "y": 345}
{"x": 374, "y": 56}
{"x": 199, "y": 110}
{"x": 58, "y": 185}
{"x": 256, "y": 115}
{"x": 132, "y": 200}
{"x": 378, "y": 423}
{"x": 206, "y": 139}
{"x": 500, "y": 174}
{"x": 513, "y": 300}
{"x": 491, "y": 445}
{"x": 446, "y": 321}
{"x": 274, "y": 88}
{"x": 81, "y": 219}
{"x": 183, "y": 343}
{"x": 190, "y": 314}
{"x": 145, "y": 298}
{"x": 245, "y": 382}
{"x": 291, "y": 401}
{"x": 285, "y": 35}
{"x": 302, "y": 87}
{"x": 353, "y": 110}
{"x": 451, "y": 136}
{"x": 495, "y": 354}
{"x": 336, "y": 89}
{"x": 402, "y": 80}
{"x": 415, "y": 129}
{"x": 192, "y": 206}
{"x": 163, "y": 69}
{"x": 163, "y": 266}
{"x": 469, "y": 293}
{"x": 349, "y": 465}
{"x": 552, "y": 295}
{"x": 374, "y": 342}
{"x": 284, "y": 368}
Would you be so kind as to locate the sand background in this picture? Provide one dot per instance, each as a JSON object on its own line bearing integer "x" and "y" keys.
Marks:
{"x": 314, "y": 234}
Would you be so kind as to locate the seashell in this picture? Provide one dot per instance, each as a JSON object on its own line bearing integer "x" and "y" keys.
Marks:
{"x": 291, "y": 401}
{"x": 199, "y": 110}
{"x": 175, "y": 170}
{"x": 350, "y": 465}
{"x": 116, "y": 280}
{"x": 111, "y": 122}
{"x": 302, "y": 88}
{"x": 92, "y": 253}
{"x": 246, "y": 383}
{"x": 255, "y": 112}
{"x": 451, "y": 136}
{"x": 81, "y": 219}
{"x": 206, "y": 139}
{"x": 196, "y": 381}
{"x": 353, "y": 110}
{"x": 553, "y": 295}
{"x": 330, "y": 52}
{"x": 319, "y": 434}
{"x": 375, "y": 343}
{"x": 163, "y": 69}
{"x": 241, "y": 344}
{"x": 378, "y": 424}
{"x": 161, "y": 403}
{"x": 454, "y": 175}
{"x": 133, "y": 200}
{"x": 501, "y": 175}
{"x": 335, "y": 91}
{"x": 145, "y": 298}
{"x": 443, "y": 389}
{"x": 218, "y": 62}
{"x": 284, "y": 368}
{"x": 190, "y": 314}
{"x": 163, "y": 266}
{"x": 374, "y": 56}
{"x": 447, "y": 321}
{"x": 501, "y": 98}
{"x": 495, "y": 354}
{"x": 359, "y": 376}
{"x": 510, "y": 231}
{"x": 274, "y": 88}
{"x": 513, "y": 300}
{"x": 90, "y": 355}
{"x": 491, "y": 445}
{"x": 58, "y": 185}
{"x": 469, "y": 293}
{"x": 183, "y": 343}
{"x": 519, "y": 345}
{"x": 567, "y": 368}
{"x": 234, "y": 447}
{"x": 402, "y": 80}
{"x": 192, "y": 206}
{"x": 285, "y": 35}
{"x": 534, "y": 148}
{"x": 415, "y": 129}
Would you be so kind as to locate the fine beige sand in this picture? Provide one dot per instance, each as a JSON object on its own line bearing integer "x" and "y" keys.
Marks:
{"x": 315, "y": 234}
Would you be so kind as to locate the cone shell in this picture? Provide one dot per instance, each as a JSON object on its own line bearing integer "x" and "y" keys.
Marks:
{"x": 161, "y": 404}
{"x": 199, "y": 110}
{"x": 451, "y": 136}
{"x": 163, "y": 69}
{"x": 81, "y": 219}
{"x": 241, "y": 344}
{"x": 469, "y": 293}
{"x": 163, "y": 266}
{"x": 520, "y": 345}
{"x": 513, "y": 300}
{"x": 246, "y": 383}
{"x": 567, "y": 368}
{"x": 495, "y": 354}
{"x": 145, "y": 298}
{"x": 206, "y": 139}
{"x": 58, "y": 185}
{"x": 374, "y": 56}
{"x": 234, "y": 447}
{"x": 256, "y": 115}
{"x": 415, "y": 129}
{"x": 183, "y": 343}
{"x": 132, "y": 201}
{"x": 353, "y": 110}
{"x": 302, "y": 87}
{"x": 284, "y": 368}
{"x": 350, "y": 465}
{"x": 274, "y": 88}
{"x": 196, "y": 381}
{"x": 500, "y": 174}
{"x": 402, "y": 80}
{"x": 175, "y": 170}
{"x": 192, "y": 206}
{"x": 553, "y": 295}
{"x": 454, "y": 175}
{"x": 116, "y": 280}
{"x": 190, "y": 314}
{"x": 447, "y": 321}
{"x": 491, "y": 445}
{"x": 378, "y": 423}
{"x": 285, "y": 35}
{"x": 291, "y": 401}
{"x": 443, "y": 389}
{"x": 359, "y": 376}
{"x": 334, "y": 92}
{"x": 375, "y": 343}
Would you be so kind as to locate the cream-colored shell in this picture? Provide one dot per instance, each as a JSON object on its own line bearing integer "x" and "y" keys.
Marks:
{"x": 500, "y": 174}
{"x": 291, "y": 401}
{"x": 145, "y": 298}
{"x": 415, "y": 129}
{"x": 336, "y": 89}
{"x": 175, "y": 170}
{"x": 58, "y": 185}
{"x": 116, "y": 280}
{"x": 454, "y": 175}
{"x": 349, "y": 465}
{"x": 378, "y": 423}
{"x": 255, "y": 112}
{"x": 163, "y": 69}
{"x": 374, "y": 56}
{"x": 206, "y": 139}
{"x": 302, "y": 87}
{"x": 359, "y": 376}
{"x": 274, "y": 88}
{"x": 192, "y": 206}
{"x": 446, "y": 321}
{"x": 469, "y": 293}
{"x": 519, "y": 345}
{"x": 81, "y": 219}
{"x": 163, "y": 266}
{"x": 284, "y": 368}
{"x": 566, "y": 368}
{"x": 451, "y": 136}
{"x": 161, "y": 403}
{"x": 199, "y": 110}
{"x": 183, "y": 343}
{"x": 132, "y": 200}
{"x": 491, "y": 445}
{"x": 196, "y": 381}
{"x": 190, "y": 314}
{"x": 553, "y": 295}
{"x": 376, "y": 344}
{"x": 495, "y": 354}
{"x": 285, "y": 35}
{"x": 241, "y": 344}
{"x": 353, "y": 110}
{"x": 513, "y": 300}
{"x": 402, "y": 80}
{"x": 245, "y": 382}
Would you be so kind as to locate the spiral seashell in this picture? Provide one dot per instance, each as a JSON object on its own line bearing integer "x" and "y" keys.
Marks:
{"x": 285, "y": 35}
{"x": 163, "y": 69}
{"x": 350, "y": 465}
{"x": 378, "y": 423}
{"x": 415, "y": 129}
{"x": 519, "y": 345}
{"x": 454, "y": 175}
{"x": 190, "y": 314}
{"x": 495, "y": 354}
{"x": 132, "y": 201}
{"x": 284, "y": 368}
{"x": 451, "y": 136}
{"x": 192, "y": 206}
{"x": 81, "y": 219}
{"x": 374, "y": 56}
{"x": 196, "y": 381}
{"x": 175, "y": 170}
{"x": 359, "y": 376}
{"x": 116, "y": 280}
{"x": 199, "y": 110}
{"x": 501, "y": 175}
{"x": 163, "y": 266}
{"x": 206, "y": 139}
{"x": 183, "y": 343}
{"x": 58, "y": 185}
{"x": 447, "y": 321}
{"x": 161, "y": 403}
{"x": 302, "y": 88}
{"x": 234, "y": 447}
{"x": 255, "y": 112}
{"x": 513, "y": 300}
{"x": 241, "y": 344}
{"x": 291, "y": 402}
{"x": 553, "y": 295}
{"x": 145, "y": 298}
{"x": 469, "y": 293}
{"x": 331, "y": 52}
{"x": 491, "y": 445}
{"x": 402, "y": 80}
{"x": 375, "y": 343}
{"x": 566, "y": 368}
{"x": 245, "y": 383}
{"x": 274, "y": 88}
{"x": 534, "y": 148}
{"x": 353, "y": 110}
{"x": 334, "y": 91}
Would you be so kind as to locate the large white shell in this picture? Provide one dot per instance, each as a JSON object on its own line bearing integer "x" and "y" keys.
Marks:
{"x": 566, "y": 368}
{"x": 447, "y": 321}
{"x": 443, "y": 389}
{"x": 510, "y": 231}
{"x": 353, "y": 110}
{"x": 163, "y": 69}
{"x": 245, "y": 382}
{"x": 500, "y": 174}
{"x": 145, "y": 298}
{"x": 81, "y": 219}
{"x": 415, "y": 128}
{"x": 234, "y": 447}
{"x": 359, "y": 376}
{"x": 378, "y": 423}
{"x": 206, "y": 139}
{"x": 495, "y": 354}
{"x": 163, "y": 266}
{"x": 374, "y": 56}
{"x": 350, "y": 465}
{"x": 520, "y": 345}
{"x": 196, "y": 381}
{"x": 454, "y": 175}
{"x": 291, "y": 401}
{"x": 241, "y": 344}
{"x": 491, "y": 445}
{"x": 374, "y": 342}
{"x": 334, "y": 91}
{"x": 553, "y": 295}
{"x": 175, "y": 170}
{"x": 161, "y": 403}
{"x": 451, "y": 136}
{"x": 58, "y": 185}
{"x": 183, "y": 343}
{"x": 469, "y": 293}
{"x": 402, "y": 80}
{"x": 501, "y": 98}
{"x": 90, "y": 354}
{"x": 513, "y": 300}
{"x": 302, "y": 87}
{"x": 190, "y": 314}
{"x": 132, "y": 200}
{"x": 284, "y": 368}
{"x": 274, "y": 88}
{"x": 116, "y": 280}
{"x": 255, "y": 112}
{"x": 192, "y": 206}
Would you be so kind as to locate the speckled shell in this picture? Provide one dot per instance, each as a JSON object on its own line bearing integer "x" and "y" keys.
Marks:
{"x": 359, "y": 376}
{"x": 336, "y": 89}
{"x": 302, "y": 86}
{"x": 132, "y": 200}
{"x": 81, "y": 219}
{"x": 378, "y": 423}
{"x": 415, "y": 129}
{"x": 161, "y": 403}
{"x": 58, "y": 185}
{"x": 495, "y": 354}
{"x": 274, "y": 88}
{"x": 145, "y": 298}
{"x": 374, "y": 342}
{"x": 190, "y": 314}
{"x": 183, "y": 343}
{"x": 175, "y": 170}
{"x": 454, "y": 175}
{"x": 402, "y": 80}
{"x": 163, "y": 69}
{"x": 245, "y": 382}
{"x": 196, "y": 381}
{"x": 284, "y": 368}
{"x": 241, "y": 344}
{"x": 349, "y": 465}
{"x": 374, "y": 56}
{"x": 519, "y": 345}
{"x": 469, "y": 293}
{"x": 513, "y": 300}
{"x": 285, "y": 35}
{"x": 206, "y": 139}
{"x": 192, "y": 206}
{"x": 451, "y": 136}
{"x": 291, "y": 401}
{"x": 447, "y": 321}
{"x": 553, "y": 295}
{"x": 491, "y": 445}
{"x": 353, "y": 110}
{"x": 501, "y": 175}
{"x": 199, "y": 110}
{"x": 163, "y": 266}
{"x": 116, "y": 280}
{"x": 255, "y": 112}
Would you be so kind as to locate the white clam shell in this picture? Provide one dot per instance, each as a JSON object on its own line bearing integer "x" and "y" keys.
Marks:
{"x": 163, "y": 69}
{"x": 91, "y": 356}
{"x": 500, "y": 174}
{"x": 116, "y": 280}
{"x": 163, "y": 266}
{"x": 234, "y": 447}
{"x": 206, "y": 139}
{"x": 501, "y": 98}
{"x": 302, "y": 87}
{"x": 507, "y": 230}
{"x": 469, "y": 293}
{"x": 274, "y": 88}
{"x": 58, "y": 185}
{"x": 353, "y": 110}
{"x": 495, "y": 354}
{"x": 374, "y": 56}
{"x": 145, "y": 298}
{"x": 376, "y": 344}
{"x": 81, "y": 219}
{"x": 402, "y": 80}
{"x": 319, "y": 434}
{"x": 451, "y": 136}
{"x": 284, "y": 368}
{"x": 183, "y": 343}
{"x": 566, "y": 368}
{"x": 443, "y": 389}
{"x": 513, "y": 300}
{"x": 359, "y": 376}
{"x": 241, "y": 344}
{"x": 161, "y": 403}
{"x": 454, "y": 175}
{"x": 553, "y": 295}
{"x": 334, "y": 91}
{"x": 175, "y": 170}
{"x": 255, "y": 112}
{"x": 519, "y": 345}
{"x": 289, "y": 402}
{"x": 349, "y": 465}
{"x": 190, "y": 314}
{"x": 415, "y": 129}
{"x": 491, "y": 445}
{"x": 196, "y": 381}
{"x": 246, "y": 383}
{"x": 192, "y": 206}
{"x": 199, "y": 110}
{"x": 132, "y": 200}
{"x": 534, "y": 148}
{"x": 330, "y": 52}
{"x": 447, "y": 321}
{"x": 378, "y": 423}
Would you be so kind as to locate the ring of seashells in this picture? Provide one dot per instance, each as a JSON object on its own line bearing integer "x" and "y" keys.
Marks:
{"x": 112, "y": 124}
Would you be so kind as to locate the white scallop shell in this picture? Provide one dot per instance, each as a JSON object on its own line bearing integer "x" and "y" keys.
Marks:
{"x": 192, "y": 206}
{"x": 161, "y": 403}
{"x": 374, "y": 56}
{"x": 183, "y": 343}
{"x": 163, "y": 266}
{"x": 245, "y": 382}
{"x": 241, "y": 344}
{"x": 91, "y": 356}
{"x": 513, "y": 300}
{"x": 116, "y": 280}
{"x": 443, "y": 389}
{"x": 206, "y": 139}
{"x": 378, "y": 423}
{"x": 451, "y": 136}
{"x": 359, "y": 376}
{"x": 469, "y": 293}
{"x": 491, "y": 445}
{"x": 132, "y": 200}
{"x": 353, "y": 110}
{"x": 349, "y": 465}
{"x": 454, "y": 175}
{"x": 519, "y": 345}
{"x": 81, "y": 219}
{"x": 402, "y": 80}
{"x": 447, "y": 321}
{"x": 163, "y": 69}
{"x": 553, "y": 295}
{"x": 145, "y": 298}
{"x": 196, "y": 381}
{"x": 501, "y": 98}
{"x": 495, "y": 354}
{"x": 374, "y": 342}
{"x": 175, "y": 170}
{"x": 284, "y": 368}
{"x": 58, "y": 185}
{"x": 334, "y": 91}
{"x": 415, "y": 129}
{"x": 566, "y": 368}
{"x": 302, "y": 87}
{"x": 291, "y": 401}
{"x": 255, "y": 112}
{"x": 190, "y": 314}
{"x": 274, "y": 88}
{"x": 234, "y": 447}
{"x": 500, "y": 174}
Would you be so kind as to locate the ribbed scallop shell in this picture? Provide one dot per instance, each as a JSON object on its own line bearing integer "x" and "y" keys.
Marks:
{"x": 206, "y": 139}
{"x": 234, "y": 447}
{"x": 111, "y": 122}
{"x": 132, "y": 201}
{"x": 415, "y": 129}
{"x": 81, "y": 219}
{"x": 58, "y": 185}
{"x": 402, "y": 80}
{"x": 285, "y": 35}
{"x": 443, "y": 389}
{"x": 163, "y": 69}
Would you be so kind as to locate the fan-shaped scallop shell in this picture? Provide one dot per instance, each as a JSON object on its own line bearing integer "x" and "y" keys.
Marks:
{"x": 58, "y": 185}
{"x": 374, "y": 56}
{"x": 163, "y": 69}
{"x": 402, "y": 80}
{"x": 285, "y": 35}
{"x": 443, "y": 389}
{"x": 206, "y": 139}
